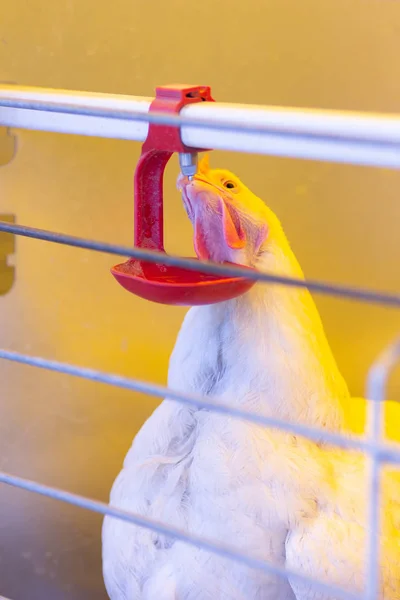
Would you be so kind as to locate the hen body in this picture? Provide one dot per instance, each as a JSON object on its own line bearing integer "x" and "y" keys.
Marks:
{"x": 232, "y": 481}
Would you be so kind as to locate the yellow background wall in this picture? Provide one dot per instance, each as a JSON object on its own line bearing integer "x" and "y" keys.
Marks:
{"x": 343, "y": 223}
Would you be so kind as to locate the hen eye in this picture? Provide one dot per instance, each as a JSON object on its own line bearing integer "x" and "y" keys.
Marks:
{"x": 230, "y": 185}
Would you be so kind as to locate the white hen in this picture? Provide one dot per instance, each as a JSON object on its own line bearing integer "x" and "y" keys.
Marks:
{"x": 228, "y": 480}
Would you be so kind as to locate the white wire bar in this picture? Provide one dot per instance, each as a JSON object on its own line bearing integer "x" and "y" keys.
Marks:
{"x": 380, "y": 453}
{"x": 178, "y": 534}
{"x": 332, "y": 289}
{"x": 389, "y": 453}
{"x": 376, "y": 392}
{"x": 368, "y": 139}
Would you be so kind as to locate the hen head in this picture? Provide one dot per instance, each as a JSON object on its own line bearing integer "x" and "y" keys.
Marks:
{"x": 231, "y": 224}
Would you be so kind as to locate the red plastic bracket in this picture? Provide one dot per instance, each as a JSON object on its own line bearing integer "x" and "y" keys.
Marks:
{"x": 158, "y": 282}
{"x": 171, "y": 99}
{"x": 161, "y": 142}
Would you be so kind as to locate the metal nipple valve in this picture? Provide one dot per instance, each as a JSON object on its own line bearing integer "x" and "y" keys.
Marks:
{"x": 188, "y": 163}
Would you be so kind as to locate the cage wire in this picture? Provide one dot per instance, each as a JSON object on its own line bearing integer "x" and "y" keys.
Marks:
{"x": 374, "y": 140}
